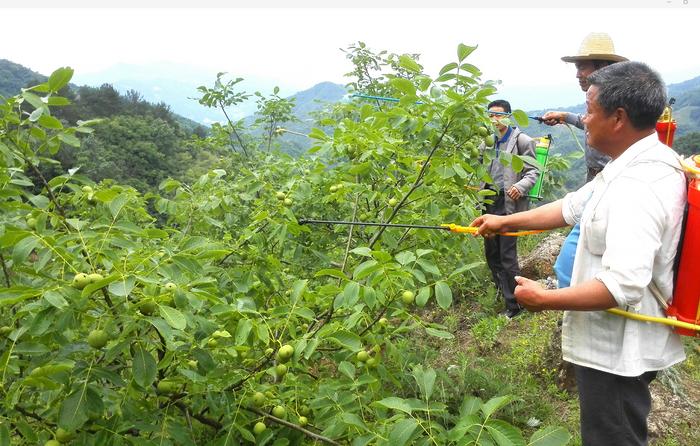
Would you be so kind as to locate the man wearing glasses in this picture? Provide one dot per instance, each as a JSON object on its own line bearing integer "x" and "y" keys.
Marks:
{"x": 511, "y": 190}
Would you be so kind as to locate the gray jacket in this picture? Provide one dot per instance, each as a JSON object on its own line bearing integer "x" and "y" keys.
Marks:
{"x": 594, "y": 159}
{"x": 518, "y": 144}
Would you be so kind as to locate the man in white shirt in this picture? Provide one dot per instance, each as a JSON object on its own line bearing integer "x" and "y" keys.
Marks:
{"x": 630, "y": 216}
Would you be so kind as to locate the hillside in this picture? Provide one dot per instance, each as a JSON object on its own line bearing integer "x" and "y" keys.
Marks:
{"x": 14, "y": 76}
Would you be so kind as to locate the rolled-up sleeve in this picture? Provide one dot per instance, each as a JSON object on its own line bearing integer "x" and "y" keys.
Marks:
{"x": 574, "y": 119}
{"x": 632, "y": 239}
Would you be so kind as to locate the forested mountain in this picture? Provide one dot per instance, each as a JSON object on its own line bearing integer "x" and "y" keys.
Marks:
{"x": 135, "y": 142}
{"x": 14, "y": 76}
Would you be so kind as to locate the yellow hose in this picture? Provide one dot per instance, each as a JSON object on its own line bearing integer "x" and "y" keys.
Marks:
{"x": 658, "y": 320}
{"x": 472, "y": 230}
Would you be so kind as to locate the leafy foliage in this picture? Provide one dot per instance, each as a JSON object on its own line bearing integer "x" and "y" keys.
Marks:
{"x": 688, "y": 144}
{"x": 212, "y": 315}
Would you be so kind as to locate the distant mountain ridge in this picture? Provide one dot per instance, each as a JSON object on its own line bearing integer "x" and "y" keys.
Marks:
{"x": 14, "y": 76}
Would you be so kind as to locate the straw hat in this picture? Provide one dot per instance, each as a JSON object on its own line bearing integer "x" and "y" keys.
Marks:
{"x": 596, "y": 46}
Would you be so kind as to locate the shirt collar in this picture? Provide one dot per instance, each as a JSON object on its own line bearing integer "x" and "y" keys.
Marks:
{"x": 614, "y": 167}
{"x": 505, "y": 136}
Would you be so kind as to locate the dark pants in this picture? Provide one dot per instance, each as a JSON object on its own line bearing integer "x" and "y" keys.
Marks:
{"x": 502, "y": 256}
{"x": 614, "y": 409}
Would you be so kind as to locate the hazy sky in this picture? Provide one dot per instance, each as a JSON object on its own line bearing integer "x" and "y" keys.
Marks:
{"x": 297, "y": 48}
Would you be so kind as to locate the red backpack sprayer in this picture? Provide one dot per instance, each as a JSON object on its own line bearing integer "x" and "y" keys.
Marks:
{"x": 685, "y": 303}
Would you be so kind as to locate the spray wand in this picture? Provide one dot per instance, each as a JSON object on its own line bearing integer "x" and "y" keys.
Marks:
{"x": 444, "y": 227}
{"x": 382, "y": 98}
{"x": 472, "y": 230}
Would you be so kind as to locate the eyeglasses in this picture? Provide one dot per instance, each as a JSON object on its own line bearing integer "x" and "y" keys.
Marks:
{"x": 498, "y": 115}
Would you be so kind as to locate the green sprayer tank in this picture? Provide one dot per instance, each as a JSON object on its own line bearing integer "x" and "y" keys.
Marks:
{"x": 541, "y": 154}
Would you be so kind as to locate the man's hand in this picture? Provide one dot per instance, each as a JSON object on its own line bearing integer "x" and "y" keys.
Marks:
{"x": 488, "y": 225}
{"x": 529, "y": 294}
{"x": 514, "y": 193}
{"x": 554, "y": 117}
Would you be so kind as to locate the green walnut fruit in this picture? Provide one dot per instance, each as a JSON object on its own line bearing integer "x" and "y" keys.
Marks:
{"x": 279, "y": 411}
{"x": 304, "y": 409}
{"x": 80, "y": 281}
{"x": 87, "y": 189}
{"x": 288, "y": 202}
{"x": 281, "y": 195}
{"x": 303, "y": 421}
{"x": 392, "y": 202}
{"x": 285, "y": 353}
{"x": 259, "y": 428}
{"x": 362, "y": 356}
{"x": 407, "y": 297}
{"x": 489, "y": 141}
{"x": 281, "y": 370}
{"x": 97, "y": 338}
{"x": 31, "y": 223}
{"x": 166, "y": 387}
{"x": 94, "y": 277}
{"x": 333, "y": 189}
{"x": 471, "y": 149}
{"x": 482, "y": 131}
{"x": 63, "y": 436}
{"x": 258, "y": 399}
{"x": 383, "y": 322}
{"x": 52, "y": 442}
{"x": 212, "y": 343}
{"x": 170, "y": 286}
{"x": 372, "y": 362}
{"x": 147, "y": 306}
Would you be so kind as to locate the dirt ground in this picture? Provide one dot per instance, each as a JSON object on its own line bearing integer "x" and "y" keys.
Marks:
{"x": 675, "y": 416}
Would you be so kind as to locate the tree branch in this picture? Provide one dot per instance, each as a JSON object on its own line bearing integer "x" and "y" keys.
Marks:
{"x": 199, "y": 417}
{"x": 306, "y": 432}
{"x": 415, "y": 186}
{"x": 4, "y": 270}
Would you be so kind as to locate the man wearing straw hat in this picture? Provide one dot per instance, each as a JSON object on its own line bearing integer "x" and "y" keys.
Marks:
{"x": 596, "y": 51}
{"x": 631, "y": 217}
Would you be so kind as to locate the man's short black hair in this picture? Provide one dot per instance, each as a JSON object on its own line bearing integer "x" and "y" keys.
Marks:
{"x": 505, "y": 105}
{"x": 635, "y": 88}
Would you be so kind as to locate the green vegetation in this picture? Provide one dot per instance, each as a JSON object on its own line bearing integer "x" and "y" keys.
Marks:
{"x": 195, "y": 308}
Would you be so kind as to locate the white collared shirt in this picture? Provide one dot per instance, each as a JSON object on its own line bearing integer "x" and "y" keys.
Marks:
{"x": 631, "y": 216}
